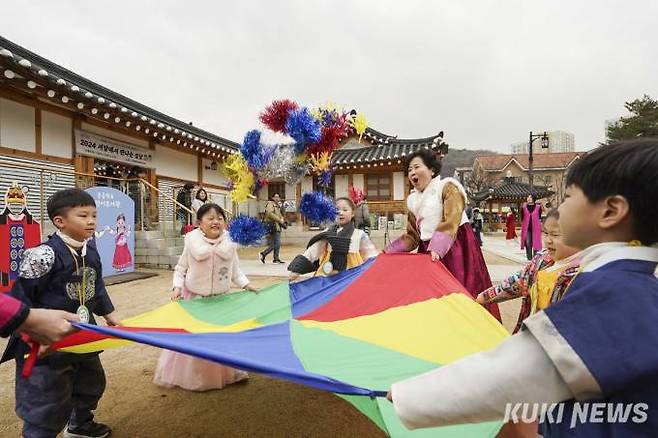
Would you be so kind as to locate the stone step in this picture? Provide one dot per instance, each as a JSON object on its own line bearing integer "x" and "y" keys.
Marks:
{"x": 156, "y": 244}
{"x": 160, "y": 260}
{"x": 172, "y": 250}
{"x": 174, "y": 241}
{"x": 148, "y": 235}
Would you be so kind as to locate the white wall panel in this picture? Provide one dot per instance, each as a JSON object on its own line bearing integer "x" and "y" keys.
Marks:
{"x": 56, "y": 135}
{"x": 17, "y": 129}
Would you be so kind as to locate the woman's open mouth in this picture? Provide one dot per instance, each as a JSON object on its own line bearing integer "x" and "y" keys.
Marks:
{"x": 414, "y": 180}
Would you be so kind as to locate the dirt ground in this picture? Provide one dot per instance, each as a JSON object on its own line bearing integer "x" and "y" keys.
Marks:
{"x": 261, "y": 407}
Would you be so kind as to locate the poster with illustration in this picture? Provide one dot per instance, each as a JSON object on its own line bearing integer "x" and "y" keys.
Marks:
{"x": 115, "y": 226}
{"x": 19, "y": 231}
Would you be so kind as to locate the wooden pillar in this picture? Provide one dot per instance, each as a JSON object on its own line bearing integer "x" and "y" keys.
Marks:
{"x": 199, "y": 169}
{"x": 152, "y": 203}
{"x": 37, "y": 131}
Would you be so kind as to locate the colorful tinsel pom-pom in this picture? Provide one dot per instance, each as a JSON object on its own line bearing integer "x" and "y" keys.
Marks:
{"x": 317, "y": 207}
{"x": 275, "y": 115}
{"x": 303, "y": 128}
{"x": 246, "y": 230}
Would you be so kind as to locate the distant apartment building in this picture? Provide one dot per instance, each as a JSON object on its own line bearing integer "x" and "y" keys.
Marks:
{"x": 558, "y": 141}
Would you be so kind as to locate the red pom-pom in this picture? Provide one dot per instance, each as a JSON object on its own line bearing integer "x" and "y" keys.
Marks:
{"x": 356, "y": 195}
{"x": 328, "y": 142}
{"x": 275, "y": 116}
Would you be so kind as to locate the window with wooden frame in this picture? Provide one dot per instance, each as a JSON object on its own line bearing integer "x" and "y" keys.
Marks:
{"x": 379, "y": 186}
{"x": 276, "y": 187}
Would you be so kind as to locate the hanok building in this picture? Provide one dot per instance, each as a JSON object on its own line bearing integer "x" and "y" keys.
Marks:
{"x": 501, "y": 182}
{"x": 374, "y": 164}
{"x": 59, "y": 129}
{"x": 549, "y": 170}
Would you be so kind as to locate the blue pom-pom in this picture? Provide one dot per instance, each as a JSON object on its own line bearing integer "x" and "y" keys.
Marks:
{"x": 324, "y": 179}
{"x": 246, "y": 230}
{"x": 256, "y": 154}
{"x": 303, "y": 128}
{"x": 317, "y": 207}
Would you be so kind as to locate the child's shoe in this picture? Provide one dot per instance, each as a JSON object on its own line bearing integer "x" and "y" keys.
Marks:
{"x": 88, "y": 430}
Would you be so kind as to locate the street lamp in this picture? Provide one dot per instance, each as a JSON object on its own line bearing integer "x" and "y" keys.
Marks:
{"x": 544, "y": 145}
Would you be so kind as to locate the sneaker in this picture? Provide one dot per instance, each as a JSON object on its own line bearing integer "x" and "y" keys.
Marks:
{"x": 262, "y": 257}
{"x": 279, "y": 261}
{"x": 88, "y": 430}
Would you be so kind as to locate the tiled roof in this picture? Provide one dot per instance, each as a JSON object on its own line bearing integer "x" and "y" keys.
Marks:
{"x": 510, "y": 190}
{"x": 540, "y": 161}
{"x": 387, "y": 148}
{"x": 35, "y": 74}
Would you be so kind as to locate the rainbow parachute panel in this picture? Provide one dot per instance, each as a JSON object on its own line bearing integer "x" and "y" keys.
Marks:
{"x": 353, "y": 334}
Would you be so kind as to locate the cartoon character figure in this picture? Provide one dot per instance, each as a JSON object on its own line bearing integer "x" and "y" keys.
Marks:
{"x": 18, "y": 232}
{"x": 122, "y": 258}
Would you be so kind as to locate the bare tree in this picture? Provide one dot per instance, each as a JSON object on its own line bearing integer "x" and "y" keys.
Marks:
{"x": 478, "y": 181}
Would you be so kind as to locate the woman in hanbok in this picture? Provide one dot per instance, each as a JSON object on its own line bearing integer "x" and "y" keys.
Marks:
{"x": 437, "y": 224}
{"x": 334, "y": 250}
{"x": 207, "y": 267}
{"x": 531, "y": 227}
{"x": 510, "y": 225}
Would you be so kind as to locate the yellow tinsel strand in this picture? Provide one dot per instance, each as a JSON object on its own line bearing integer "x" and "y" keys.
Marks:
{"x": 359, "y": 123}
{"x": 236, "y": 169}
{"x": 320, "y": 162}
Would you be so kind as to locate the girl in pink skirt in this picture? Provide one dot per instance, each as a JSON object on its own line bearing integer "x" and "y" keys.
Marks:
{"x": 208, "y": 266}
{"x": 437, "y": 224}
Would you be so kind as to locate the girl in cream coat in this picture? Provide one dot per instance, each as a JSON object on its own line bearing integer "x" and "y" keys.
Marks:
{"x": 207, "y": 267}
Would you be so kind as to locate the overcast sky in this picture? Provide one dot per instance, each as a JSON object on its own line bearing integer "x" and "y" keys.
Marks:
{"x": 484, "y": 72}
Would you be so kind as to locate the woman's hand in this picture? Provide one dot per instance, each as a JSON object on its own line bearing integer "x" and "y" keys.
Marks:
{"x": 47, "y": 326}
{"x": 435, "y": 257}
{"x": 293, "y": 276}
{"x": 252, "y": 288}
{"x": 176, "y": 293}
{"x": 389, "y": 396}
{"x": 481, "y": 299}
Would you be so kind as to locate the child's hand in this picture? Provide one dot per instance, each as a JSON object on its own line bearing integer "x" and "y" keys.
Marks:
{"x": 389, "y": 396}
{"x": 252, "y": 288}
{"x": 176, "y": 294}
{"x": 480, "y": 299}
{"x": 112, "y": 320}
{"x": 435, "y": 256}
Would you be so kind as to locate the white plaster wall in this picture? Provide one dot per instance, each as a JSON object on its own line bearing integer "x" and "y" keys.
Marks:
{"x": 210, "y": 176}
{"x": 307, "y": 184}
{"x": 341, "y": 185}
{"x": 357, "y": 181}
{"x": 291, "y": 192}
{"x": 137, "y": 141}
{"x": 398, "y": 186}
{"x": 174, "y": 164}
{"x": 56, "y": 135}
{"x": 17, "y": 129}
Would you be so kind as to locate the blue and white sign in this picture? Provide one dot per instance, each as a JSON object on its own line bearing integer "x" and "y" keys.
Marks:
{"x": 115, "y": 225}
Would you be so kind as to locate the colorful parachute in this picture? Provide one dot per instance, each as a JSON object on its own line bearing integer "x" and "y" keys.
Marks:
{"x": 353, "y": 334}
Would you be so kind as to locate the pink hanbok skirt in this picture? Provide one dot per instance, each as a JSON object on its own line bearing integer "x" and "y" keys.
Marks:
{"x": 191, "y": 373}
{"x": 466, "y": 263}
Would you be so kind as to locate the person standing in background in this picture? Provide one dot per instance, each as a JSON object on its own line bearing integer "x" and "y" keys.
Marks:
{"x": 531, "y": 227}
{"x": 184, "y": 198}
{"x": 276, "y": 222}
{"x": 510, "y": 225}
{"x": 200, "y": 198}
